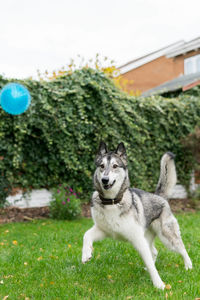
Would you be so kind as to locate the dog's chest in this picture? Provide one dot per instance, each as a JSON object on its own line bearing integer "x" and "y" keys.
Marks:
{"x": 112, "y": 221}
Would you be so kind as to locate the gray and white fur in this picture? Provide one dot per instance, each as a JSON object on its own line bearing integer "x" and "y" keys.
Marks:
{"x": 131, "y": 214}
{"x": 168, "y": 177}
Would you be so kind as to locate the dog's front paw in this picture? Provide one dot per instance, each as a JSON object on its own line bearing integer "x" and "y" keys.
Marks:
{"x": 87, "y": 255}
{"x": 159, "y": 285}
{"x": 188, "y": 265}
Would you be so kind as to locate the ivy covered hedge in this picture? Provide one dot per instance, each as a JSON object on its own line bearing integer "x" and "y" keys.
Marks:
{"x": 56, "y": 139}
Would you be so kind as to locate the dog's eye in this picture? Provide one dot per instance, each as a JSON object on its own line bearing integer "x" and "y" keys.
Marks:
{"x": 102, "y": 166}
{"x": 115, "y": 166}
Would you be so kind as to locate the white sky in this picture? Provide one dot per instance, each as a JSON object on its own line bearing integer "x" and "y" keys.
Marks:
{"x": 46, "y": 34}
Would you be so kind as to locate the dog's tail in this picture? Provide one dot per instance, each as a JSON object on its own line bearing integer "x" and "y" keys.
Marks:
{"x": 168, "y": 177}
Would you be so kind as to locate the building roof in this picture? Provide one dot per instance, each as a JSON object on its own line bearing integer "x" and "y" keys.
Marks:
{"x": 173, "y": 50}
{"x": 187, "y": 47}
{"x": 133, "y": 64}
{"x": 183, "y": 82}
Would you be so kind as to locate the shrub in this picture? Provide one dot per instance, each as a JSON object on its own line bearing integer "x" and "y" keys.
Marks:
{"x": 56, "y": 139}
{"x": 5, "y": 189}
{"x": 65, "y": 204}
{"x": 195, "y": 198}
{"x": 192, "y": 143}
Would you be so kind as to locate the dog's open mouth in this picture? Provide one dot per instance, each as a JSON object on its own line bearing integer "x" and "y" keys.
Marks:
{"x": 108, "y": 186}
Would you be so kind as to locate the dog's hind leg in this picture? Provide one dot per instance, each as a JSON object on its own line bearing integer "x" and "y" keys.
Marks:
{"x": 92, "y": 235}
{"x": 169, "y": 234}
{"x": 141, "y": 245}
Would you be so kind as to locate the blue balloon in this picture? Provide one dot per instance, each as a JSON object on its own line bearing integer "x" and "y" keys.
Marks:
{"x": 15, "y": 98}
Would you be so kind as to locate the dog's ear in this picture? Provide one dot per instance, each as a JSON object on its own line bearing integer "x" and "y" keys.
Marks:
{"x": 121, "y": 151}
{"x": 101, "y": 151}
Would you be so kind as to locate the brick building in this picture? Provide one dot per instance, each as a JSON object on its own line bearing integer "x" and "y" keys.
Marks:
{"x": 168, "y": 68}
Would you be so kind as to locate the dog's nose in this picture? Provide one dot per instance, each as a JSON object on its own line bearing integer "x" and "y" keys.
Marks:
{"x": 105, "y": 180}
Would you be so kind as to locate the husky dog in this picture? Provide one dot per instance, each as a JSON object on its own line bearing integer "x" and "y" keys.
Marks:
{"x": 131, "y": 214}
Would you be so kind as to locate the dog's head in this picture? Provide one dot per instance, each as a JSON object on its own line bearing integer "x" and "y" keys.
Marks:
{"x": 111, "y": 166}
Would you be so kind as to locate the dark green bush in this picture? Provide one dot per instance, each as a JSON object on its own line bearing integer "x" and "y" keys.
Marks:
{"x": 192, "y": 143}
{"x": 5, "y": 189}
{"x": 56, "y": 139}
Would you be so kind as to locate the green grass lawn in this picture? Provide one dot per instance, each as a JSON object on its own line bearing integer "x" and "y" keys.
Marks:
{"x": 42, "y": 260}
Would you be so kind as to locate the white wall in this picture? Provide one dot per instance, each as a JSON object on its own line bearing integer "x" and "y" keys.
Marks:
{"x": 40, "y": 198}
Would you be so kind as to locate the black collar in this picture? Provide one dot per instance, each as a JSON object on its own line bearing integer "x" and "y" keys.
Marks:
{"x": 106, "y": 201}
